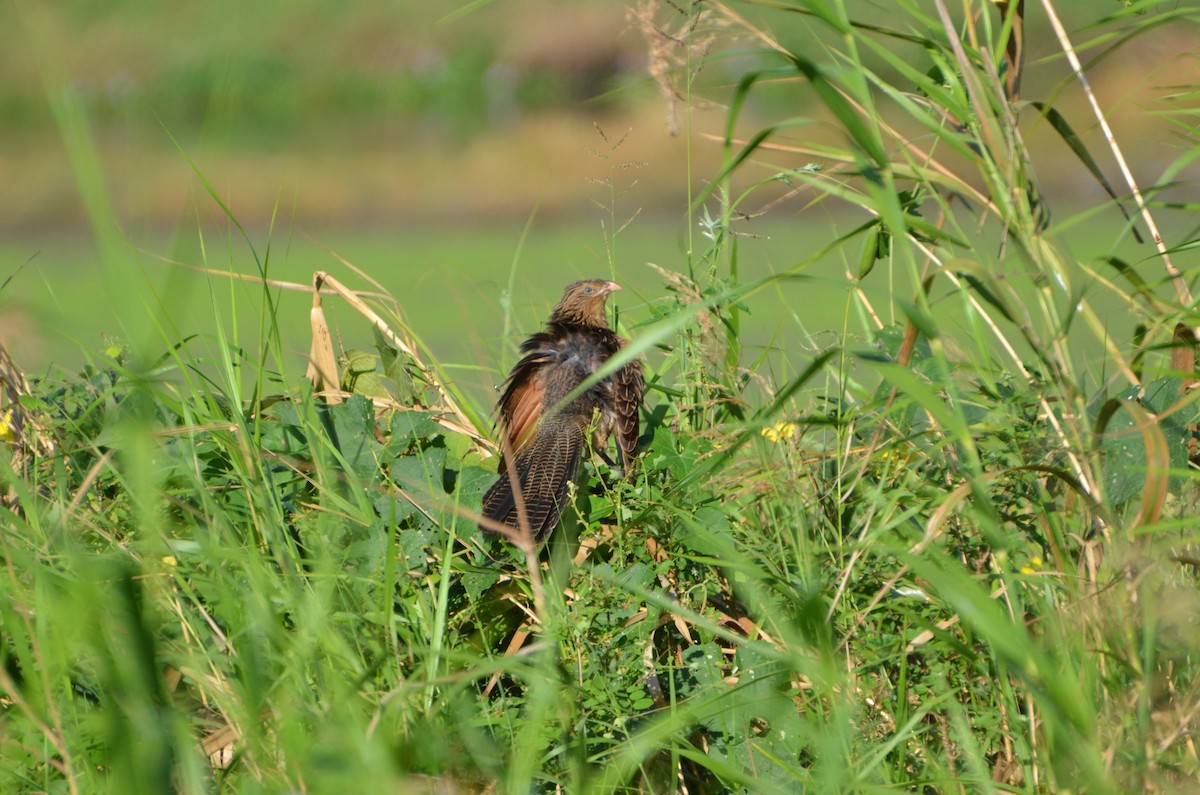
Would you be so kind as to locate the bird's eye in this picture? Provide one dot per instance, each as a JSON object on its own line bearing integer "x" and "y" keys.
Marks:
{"x": 587, "y": 290}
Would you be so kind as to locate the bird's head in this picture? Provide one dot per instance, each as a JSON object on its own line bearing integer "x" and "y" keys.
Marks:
{"x": 583, "y": 303}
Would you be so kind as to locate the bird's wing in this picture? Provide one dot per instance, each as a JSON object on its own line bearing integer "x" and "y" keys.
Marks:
{"x": 521, "y": 411}
{"x": 545, "y": 468}
{"x": 521, "y": 403}
{"x": 625, "y": 397}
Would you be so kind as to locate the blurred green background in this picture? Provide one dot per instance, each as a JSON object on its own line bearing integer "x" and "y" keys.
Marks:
{"x": 447, "y": 150}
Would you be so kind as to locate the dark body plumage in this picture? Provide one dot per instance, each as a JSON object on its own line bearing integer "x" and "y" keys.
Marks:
{"x": 546, "y": 436}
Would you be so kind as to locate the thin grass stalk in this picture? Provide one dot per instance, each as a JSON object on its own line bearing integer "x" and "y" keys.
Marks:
{"x": 1182, "y": 292}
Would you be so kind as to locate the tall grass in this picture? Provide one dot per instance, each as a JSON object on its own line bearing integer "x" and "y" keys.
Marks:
{"x": 952, "y": 552}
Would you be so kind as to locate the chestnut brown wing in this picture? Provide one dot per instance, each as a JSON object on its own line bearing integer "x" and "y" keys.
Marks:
{"x": 625, "y": 399}
{"x": 520, "y": 406}
{"x": 520, "y": 410}
{"x": 545, "y": 469}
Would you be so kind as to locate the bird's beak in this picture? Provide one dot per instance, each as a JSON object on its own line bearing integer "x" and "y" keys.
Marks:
{"x": 611, "y": 287}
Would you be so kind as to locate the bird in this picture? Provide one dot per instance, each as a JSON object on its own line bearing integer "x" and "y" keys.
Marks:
{"x": 543, "y": 433}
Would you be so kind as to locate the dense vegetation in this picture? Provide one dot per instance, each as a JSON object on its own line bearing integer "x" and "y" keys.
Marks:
{"x": 948, "y": 548}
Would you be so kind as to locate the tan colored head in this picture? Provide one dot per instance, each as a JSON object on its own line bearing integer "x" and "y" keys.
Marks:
{"x": 583, "y": 303}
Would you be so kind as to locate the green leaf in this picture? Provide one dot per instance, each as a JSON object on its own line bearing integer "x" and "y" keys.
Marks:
{"x": 471, "y": 484}
{"x": 1067, "y": 133}
{"x": 919, "y": 318}
{"x": 352, "y": 430}
{"x": 406, "y": 388}
{"x": 708, "y": 533}
{"x": 423, "y": 474}
{"x": 407, "y": 429}
{"x": 875, "y": 247}
{"x": 850, "y": 118}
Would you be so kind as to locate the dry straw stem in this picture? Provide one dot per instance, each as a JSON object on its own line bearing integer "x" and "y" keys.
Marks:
{"x": 20, "y": 431}
{"x": 1083, "y": 473}
{"x": 1151, "y": 511}
{"x": 1182, "y": 292}
{"x": 322, "y": 368}
{"x": 955, "y": 183}
{"x": 17, "y": 426}
{"x": 522, "y": 536}
{"x": 975, "y": 91}
{"x": 322, "y": 364}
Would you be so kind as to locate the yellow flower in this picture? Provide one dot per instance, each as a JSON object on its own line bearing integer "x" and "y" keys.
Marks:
{"x": 1035, "y": 564}
{"x": 781, "y": 430}
{"x": 8, "y": 432}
